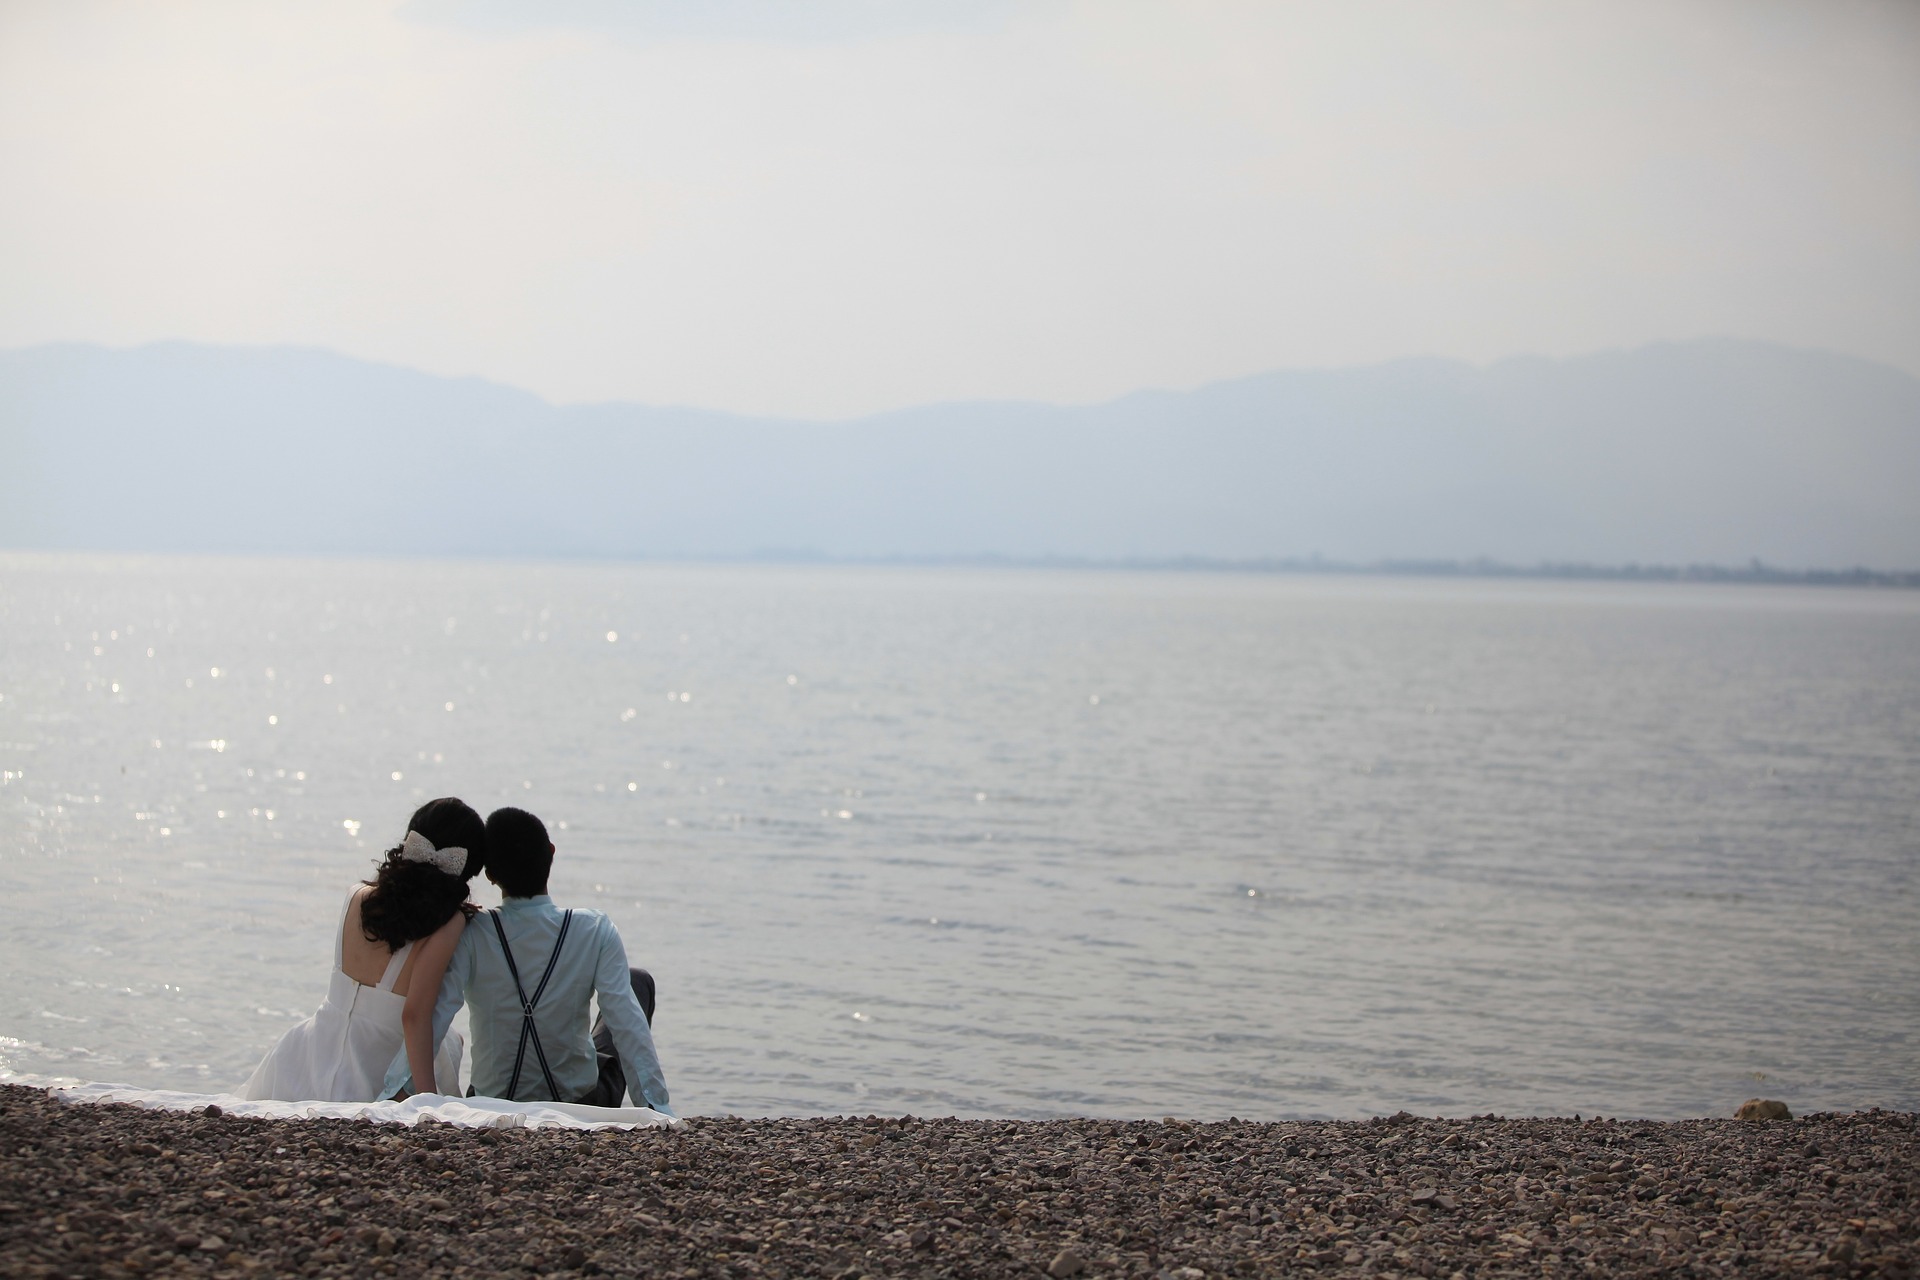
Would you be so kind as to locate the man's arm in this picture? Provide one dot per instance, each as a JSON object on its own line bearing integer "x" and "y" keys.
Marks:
{"x": 632, "y": 1037}
{"x": 453, "y": 991}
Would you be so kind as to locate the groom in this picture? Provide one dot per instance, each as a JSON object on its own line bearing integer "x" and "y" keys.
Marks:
{"x": 526, "y": 972}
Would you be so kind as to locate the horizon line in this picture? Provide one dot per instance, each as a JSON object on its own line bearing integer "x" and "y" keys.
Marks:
{"x": 1755, "y": 572}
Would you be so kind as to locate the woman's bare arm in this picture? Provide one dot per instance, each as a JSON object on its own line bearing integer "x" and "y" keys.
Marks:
{"x": 423, "y": 991}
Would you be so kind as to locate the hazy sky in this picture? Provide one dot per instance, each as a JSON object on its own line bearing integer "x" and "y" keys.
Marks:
{"x": 847, "y": 205}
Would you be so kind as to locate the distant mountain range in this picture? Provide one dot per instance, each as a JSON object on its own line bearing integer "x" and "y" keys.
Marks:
{"x": 1703, "y": 452}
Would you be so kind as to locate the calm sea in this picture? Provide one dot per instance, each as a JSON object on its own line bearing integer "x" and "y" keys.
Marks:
{"x": 1002, "y": 843}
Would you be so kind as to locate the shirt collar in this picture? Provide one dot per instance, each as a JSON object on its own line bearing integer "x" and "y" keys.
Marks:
{"x": 537, "y": 902}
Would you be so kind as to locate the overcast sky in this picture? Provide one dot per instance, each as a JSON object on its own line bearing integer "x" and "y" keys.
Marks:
{"x": 851, "y": 205}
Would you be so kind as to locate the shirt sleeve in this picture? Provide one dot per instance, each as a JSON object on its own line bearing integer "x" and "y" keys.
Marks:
{"x": 453, "y": 992}
{"x": 632, "y": 1037}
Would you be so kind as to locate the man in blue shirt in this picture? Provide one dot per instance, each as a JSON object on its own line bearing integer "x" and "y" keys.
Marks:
{"x": 526, "y": 973}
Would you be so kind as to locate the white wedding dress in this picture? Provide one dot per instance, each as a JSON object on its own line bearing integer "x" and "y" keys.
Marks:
{"x": 341, "y": 1053}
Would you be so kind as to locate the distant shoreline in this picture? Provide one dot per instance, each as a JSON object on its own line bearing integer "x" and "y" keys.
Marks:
{"x": 1755, "y": 574}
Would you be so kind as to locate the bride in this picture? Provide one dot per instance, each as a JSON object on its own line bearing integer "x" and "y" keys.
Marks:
{"x": 389, "y": 954}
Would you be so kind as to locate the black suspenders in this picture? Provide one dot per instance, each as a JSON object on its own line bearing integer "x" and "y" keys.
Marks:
{"x": 527, "y": 1030}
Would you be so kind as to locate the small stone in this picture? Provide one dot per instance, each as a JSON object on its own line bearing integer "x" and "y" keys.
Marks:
{"x": 438, "y": 1205}
{"x": 211, "y": 1244}
{"x": 1066, "y": 1263}
{"x": 1763, "y": 1109}
{"x": 921, "y": 1239}
{"x": 385, "y": 1243}
{"x": 1843, "y": 1249}
{"x": 1424, "y": 1196}
{"x": 574, "y": 1258}
{"x": 213, "y": 1111}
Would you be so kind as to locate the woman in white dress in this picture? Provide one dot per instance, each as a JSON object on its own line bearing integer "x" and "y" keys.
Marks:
{"x": 389, "y": 954}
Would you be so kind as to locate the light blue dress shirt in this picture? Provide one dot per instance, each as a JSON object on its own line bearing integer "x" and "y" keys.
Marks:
{"x": 593, "y": 962}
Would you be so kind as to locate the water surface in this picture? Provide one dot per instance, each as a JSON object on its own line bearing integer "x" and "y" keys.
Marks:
{"x": 1024, "y": 843}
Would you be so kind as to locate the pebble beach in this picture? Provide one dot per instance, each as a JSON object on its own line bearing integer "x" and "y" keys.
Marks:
{"x": 111, "y": 1190}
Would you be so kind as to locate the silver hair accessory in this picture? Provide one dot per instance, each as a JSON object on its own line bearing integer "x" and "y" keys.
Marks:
{"x": 417, "y": 848}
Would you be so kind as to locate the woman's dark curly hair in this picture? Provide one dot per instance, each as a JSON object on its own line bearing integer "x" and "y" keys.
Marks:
{"x": 411, "y": 900}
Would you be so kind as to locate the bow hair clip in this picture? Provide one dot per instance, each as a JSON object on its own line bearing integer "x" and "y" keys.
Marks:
{"x": 417, "y": 848}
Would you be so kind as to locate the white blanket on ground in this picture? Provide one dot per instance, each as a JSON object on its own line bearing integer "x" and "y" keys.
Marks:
{"x": 467, "y": 1113}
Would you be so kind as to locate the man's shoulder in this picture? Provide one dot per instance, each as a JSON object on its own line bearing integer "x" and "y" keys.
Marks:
{"x": 588, "y": 918}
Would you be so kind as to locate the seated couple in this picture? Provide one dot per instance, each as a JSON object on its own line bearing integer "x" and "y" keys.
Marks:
{"x": 411, "y": 949}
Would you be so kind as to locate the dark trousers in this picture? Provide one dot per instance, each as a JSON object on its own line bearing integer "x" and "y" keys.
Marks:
{"x": 611, "y": 1087}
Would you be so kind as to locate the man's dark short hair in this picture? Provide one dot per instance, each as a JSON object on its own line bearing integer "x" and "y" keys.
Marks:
{"x": 519, "y": 854}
